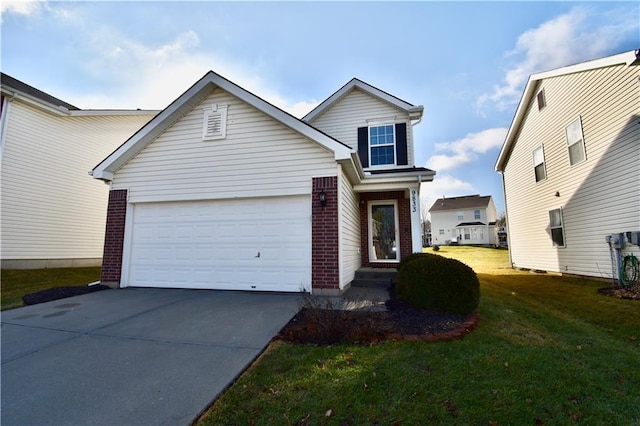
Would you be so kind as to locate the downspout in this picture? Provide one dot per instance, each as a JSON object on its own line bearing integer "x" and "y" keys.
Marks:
{"x": 506, "y": 218}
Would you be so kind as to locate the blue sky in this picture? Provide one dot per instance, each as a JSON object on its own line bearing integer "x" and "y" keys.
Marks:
{"x": 466, "y": 62}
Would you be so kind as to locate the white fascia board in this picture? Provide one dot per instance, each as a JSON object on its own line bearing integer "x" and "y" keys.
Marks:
{"x": 113, "y": 112}
{"x": 35, "y": 102}
{"x": 626, "y": 58}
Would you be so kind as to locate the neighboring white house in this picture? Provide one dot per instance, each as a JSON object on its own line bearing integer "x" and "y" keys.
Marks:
{"x": 223, "y": 190}
{"x": 571, "y": 166}
{"x": 52, "y": 212}
{"x": 467, "y": 220}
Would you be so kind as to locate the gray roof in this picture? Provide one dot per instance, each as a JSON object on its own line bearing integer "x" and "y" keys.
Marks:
{"x": 460, "y": 203}
{"x": 24, "y": 88}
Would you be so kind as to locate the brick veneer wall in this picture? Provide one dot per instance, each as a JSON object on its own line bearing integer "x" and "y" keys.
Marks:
{"x": 114, "y": 238}
{"x": 404, "y": 220}
{"x": 324, "y": 235}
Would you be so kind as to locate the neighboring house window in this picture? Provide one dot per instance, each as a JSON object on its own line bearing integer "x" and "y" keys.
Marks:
{"x": 476, "y": 214}
{"x": 575, "y": 142}
{"x": 382, "y": 145}
{"x": 460, "y": 215}
{"x": 538, "y": 164}
{"x": 542, "y": 100}
{"x": 441, "y": 232}
{"x": 214, "y": 125}
{"x": 467, "y": 235}
{"x": 557, "y": 227}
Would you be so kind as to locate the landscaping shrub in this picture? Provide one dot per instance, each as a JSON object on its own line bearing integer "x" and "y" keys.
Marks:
{"x": 436, "y": 248}
{"x": 439, "y": 284}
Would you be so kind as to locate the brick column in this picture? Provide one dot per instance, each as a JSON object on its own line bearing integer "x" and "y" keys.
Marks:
{"x": 114, "y": 238}
{"x": 324, "y": 236}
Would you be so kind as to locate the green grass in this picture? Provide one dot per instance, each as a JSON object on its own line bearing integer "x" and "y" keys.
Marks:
{"x": 17, "y": 283}
{"x": 547, "y": 350}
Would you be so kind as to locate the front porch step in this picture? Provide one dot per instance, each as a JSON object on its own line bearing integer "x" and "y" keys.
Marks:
{"x": 374, "y": 277}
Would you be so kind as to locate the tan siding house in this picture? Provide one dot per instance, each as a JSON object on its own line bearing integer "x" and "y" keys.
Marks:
{"x": 52, "y": 212}
{"x": 571, "y": 167}
{"x": 223, "y": 190}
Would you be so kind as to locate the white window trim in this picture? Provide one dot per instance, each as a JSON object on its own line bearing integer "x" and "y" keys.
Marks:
{"x": 369, "y": 146}
{"x": 479, "y": 215}
{"x": 544, "y": 164}
{"x": 581, "y": 140}
{"x": 370, "y": 204}
{"x": 211, "y": 111}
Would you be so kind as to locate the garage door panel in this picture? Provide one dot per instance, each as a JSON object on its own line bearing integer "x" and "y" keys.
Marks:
{"x": 247, "y": 244}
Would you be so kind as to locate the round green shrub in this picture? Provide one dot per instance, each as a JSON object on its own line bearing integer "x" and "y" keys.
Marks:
{"x": 438, "y": 284}
{"x": 436, "y": 248}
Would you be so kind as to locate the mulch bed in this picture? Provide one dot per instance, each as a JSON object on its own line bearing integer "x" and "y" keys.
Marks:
{"x": 60, "y": 293}
{"x": 631, "y": 292}
{"x": 401, "y": 321}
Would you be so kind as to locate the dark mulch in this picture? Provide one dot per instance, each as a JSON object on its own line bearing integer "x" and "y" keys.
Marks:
{"x": 631, "y": 292}
{"x": 60, "y": 293}
{"x": 326, "y": 327}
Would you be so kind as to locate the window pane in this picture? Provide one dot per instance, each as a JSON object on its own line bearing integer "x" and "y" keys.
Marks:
{"x": 574, "y": 132}
{"x": 476, "y": 214}
{"x": 555, "y": 218}
{"x": 384, "y": 232}
{"x": 576, "y": 153}
{"x": 557, "y": 237}
{"x": 382, "y": 155}
{"x": 540, "y": 173}
{"x": 374, "y": 131}
{"x": 538, "y": 156}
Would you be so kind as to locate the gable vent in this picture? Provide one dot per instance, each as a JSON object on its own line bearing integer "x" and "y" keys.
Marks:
{"x": 214, "y": 124}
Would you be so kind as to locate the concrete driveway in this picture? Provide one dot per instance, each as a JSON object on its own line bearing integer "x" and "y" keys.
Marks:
{"x": 132, "y": 356}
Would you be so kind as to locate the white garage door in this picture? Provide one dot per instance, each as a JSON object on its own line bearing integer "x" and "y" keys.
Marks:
{"x": 247, "y": 244}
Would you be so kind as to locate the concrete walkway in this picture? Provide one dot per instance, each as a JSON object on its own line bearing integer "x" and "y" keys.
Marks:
{"x": 132, "y": 356}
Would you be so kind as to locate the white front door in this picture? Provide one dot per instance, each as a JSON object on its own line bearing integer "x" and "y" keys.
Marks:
{"x": 244, "y": 244}
{"x": 384, "y": 231}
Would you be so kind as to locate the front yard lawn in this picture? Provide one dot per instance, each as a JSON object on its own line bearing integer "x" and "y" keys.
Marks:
{"x": 547, "y": 350}
{"x": 17, "y": 283}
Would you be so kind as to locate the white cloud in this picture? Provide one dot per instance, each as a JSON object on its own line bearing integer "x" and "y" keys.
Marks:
{"x": 579, "y": 35}
{"x": 465, "y": 150}
{"x": 443, "y": 186}
{"x": 148, "y": 76}
{"x": 19, "y": 7}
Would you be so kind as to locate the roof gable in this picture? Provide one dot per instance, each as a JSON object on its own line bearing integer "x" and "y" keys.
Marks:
{"x": 191, "y": 98}
{"x": 460, "y": 203}
{"x": 415, "y": 112}
{"x": 630, "y": 58}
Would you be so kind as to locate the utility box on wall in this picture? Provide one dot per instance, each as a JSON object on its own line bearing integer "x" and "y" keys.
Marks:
{"x": 634, "y": 237}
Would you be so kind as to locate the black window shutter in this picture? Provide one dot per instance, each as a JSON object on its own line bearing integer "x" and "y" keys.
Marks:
{"x": 401, "y": 144}
{"x": 363, "y": 146}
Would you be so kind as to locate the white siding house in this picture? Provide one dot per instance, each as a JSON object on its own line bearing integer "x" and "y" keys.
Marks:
{"x": 52, "y": 212}
{"x": 223, "y": 190}
{"x": 467, "y": 220}
{"x": 571, "y": 166}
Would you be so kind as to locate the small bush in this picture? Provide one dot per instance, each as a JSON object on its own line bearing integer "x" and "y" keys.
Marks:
{"x": 436, "y": 248}
{"x": 439, "y": 284}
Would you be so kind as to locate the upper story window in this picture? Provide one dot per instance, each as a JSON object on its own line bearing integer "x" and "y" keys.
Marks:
{"x": 383, "y": 145}
{"x": 382, "y": 142}
{"x": 460, "y": 215}
{"x": 538, "y": 164}
{"x": 542, "y": 100}
{"x": 575, "y": 142}
{"x": 214, "y": 123}
{"x": 476, "y": 214}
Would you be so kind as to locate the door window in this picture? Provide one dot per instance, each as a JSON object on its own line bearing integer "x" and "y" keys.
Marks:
{"x": 383, "y": 232}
